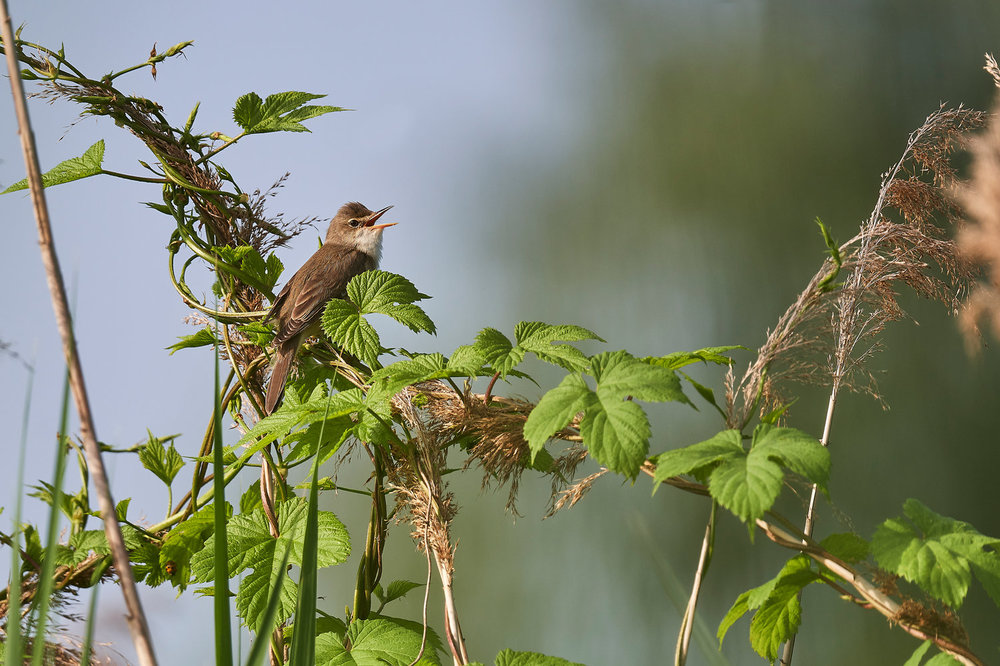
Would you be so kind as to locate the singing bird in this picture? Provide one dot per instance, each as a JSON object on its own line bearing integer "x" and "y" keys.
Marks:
{"x": 353, "y": 245}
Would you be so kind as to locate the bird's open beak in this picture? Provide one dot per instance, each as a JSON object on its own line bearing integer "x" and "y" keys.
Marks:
{"x": 370, "y": 222}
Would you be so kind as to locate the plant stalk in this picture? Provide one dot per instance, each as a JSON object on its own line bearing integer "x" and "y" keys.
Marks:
{"x": 136, "y": 618}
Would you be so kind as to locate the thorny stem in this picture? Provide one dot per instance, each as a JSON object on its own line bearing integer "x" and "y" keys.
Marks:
{"x": 687, "y": 623}
{"x": 136, "y": 618}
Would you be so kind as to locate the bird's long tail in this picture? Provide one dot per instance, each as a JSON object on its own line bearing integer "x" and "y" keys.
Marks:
{"x": 276, "y": 388}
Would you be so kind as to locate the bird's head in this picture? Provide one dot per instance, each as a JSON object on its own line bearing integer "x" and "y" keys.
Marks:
{"x": 355, "y": 226}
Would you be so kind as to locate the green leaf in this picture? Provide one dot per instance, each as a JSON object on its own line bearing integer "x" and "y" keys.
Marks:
{"x": 556, "y": 409}
{"x": 183, "y": 541}
{"x": 738, "y": 610}
{"x": 397, "y": 589}
{"x": 295, "y": 414}
{"x": 381, "y": 292}
{"x": 88, "y": 164}
{"x": 377, "y": 641}
{"x": 252, "y": 547}
{"x": 678, "y": 360}
{"x": 747, "y": 484}
{"x": 164, "y": 463}
{"x": 541, "y": 339}
{"x": 202, "y": 338}
{"x": 511, "y": 658}
{"x": 942, "y": 659}
{"x": 937, "y": 553}
{"x": 619, "y": 374}
{"x": 373, "y": 292}
{"x": 918, "y": 654}
{"x": 498, "y": 351}
{"x": 848, "y": 547}
{"x": 344, "y": 324}
{"x": 798, "y": 451}
{"x": 778, "y": 618}
{"x": 87, "y": 542}
{"x": 467, "y": 361}
{"x": 421, "y": 368}
{"x": 616, "y": 432}
{"x": 696, "y": 458}
{"x": 281, "y": 112}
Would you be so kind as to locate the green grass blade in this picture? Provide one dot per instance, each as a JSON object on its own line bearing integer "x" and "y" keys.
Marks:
{"x": 44, "y": 594}
{"x": 223, "y": 630}
{"x": 263, "y": 639}
{"x": 15, "y": 644}
{"x": 88, "y": 637}
{"x": 303, "y": 639}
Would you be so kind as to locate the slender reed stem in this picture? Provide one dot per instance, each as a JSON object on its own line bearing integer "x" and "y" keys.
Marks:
{"x": 135, "y": 617}
{"x": 687, "y": 624}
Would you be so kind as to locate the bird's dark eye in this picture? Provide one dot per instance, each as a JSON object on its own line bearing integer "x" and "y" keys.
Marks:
{"x": 355, "y": 224}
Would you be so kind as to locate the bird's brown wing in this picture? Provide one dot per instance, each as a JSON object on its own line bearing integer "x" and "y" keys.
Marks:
{"x": 324, "y": 276}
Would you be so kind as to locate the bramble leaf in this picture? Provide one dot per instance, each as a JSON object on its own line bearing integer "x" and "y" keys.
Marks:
{"x": 163, "y": 463}
{"x": 202, "y": 338}
{"x": 937, "y": 553}
{"x": 377, "y": 641}
{"x": 695, "y": 458}
{"x": 678, "y": 360}
{"x": 510, "y": 657}
{"x": 281, "y": 112}
{"x": 251, "y": 546}
{"x": 556, "y": 409}
{"x": 75, "y": 168}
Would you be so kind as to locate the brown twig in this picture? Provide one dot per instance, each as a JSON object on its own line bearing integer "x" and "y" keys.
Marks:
{"x": 135, "y": 617}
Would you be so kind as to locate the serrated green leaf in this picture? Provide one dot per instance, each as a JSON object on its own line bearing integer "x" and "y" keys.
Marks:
{"x": 281, "y": 112}
{"x": 936, "y": 553}
{"x": 397, "y": 589}
{"x": 510, "y": 657}
{"x": 88, "y": 164}
{"x": 498, "y": 351}
{"x": 798, "y": 451}
{"x": 377, "y": 641}
{"x": 747, "y": 484}
{"x": 541, "y": 339}
{"x": 86, "y": 542}
{"x": 421, "y": 368}
{"x": 918, "y": 654}
{"x": 778, "y": 618}
{"x": 295, "y": 414}
{"x": 846, "y": 546}
{"x": 556, "y": 409}
{"x": 252, "y": 547}
{"x": 121, "y": 509}
{"x": 616, "y": 432}
{"x": 164, "y": 463}
{"x": 183, "y": 541}
{"x": 619, "y": 374}
{"x": 343, "y": 323}
{"x": 381, "y": 292}
{"x": 735, "y": 612}
{"x": 202, "y": 338}
{"x": 696, "y": 458}
{"x": 468, "y": 361}
{"x": 678, "y": 360}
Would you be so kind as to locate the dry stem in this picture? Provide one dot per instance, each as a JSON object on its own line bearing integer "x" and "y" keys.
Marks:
{"x": 135, "y": 617}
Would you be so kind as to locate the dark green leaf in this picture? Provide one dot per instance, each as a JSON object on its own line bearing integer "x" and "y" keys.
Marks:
{"x": 281, "y": 112}
{"x": 377, "y": 641}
